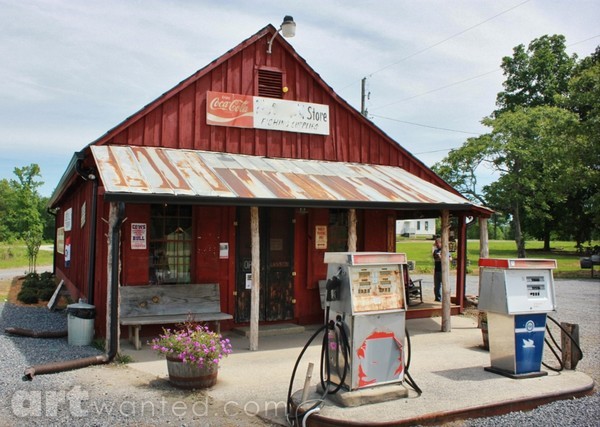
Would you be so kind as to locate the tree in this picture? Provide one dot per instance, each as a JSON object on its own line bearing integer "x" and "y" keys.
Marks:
{"x": 538, "y": 149}
{"x": 536, "y": 76}
{"x": 22, "y": 211}
{"x": 583, "y": 97}
{"x": 459, "y": 168}
{"x": 529, "y": 149}
{"x": 29, "y": 220}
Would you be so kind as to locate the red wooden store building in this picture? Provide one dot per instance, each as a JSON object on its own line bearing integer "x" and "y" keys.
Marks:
{"x": 166, "y": 196}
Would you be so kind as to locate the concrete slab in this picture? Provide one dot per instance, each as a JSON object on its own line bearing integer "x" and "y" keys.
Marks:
{"x": 447, "y": 366}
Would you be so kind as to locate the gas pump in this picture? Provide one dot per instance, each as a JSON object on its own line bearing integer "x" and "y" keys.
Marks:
{"x": 367, "y": 297}
{"x": 516, "y": 294}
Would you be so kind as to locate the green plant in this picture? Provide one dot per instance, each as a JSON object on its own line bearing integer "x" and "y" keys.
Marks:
{"x": 28, "y": 296}
{"x": 192, "y": 343}
{"x": 123, "y": 359}
{"x": 99, "y": 344}
{"x": 37, "y": 287}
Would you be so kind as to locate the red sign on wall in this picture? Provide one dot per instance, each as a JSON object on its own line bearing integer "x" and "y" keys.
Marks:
{"x": 228, "y": 109}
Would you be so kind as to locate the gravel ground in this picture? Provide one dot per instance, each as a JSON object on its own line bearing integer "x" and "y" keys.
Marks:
{"x": 116, "y": 395}
{"x": 579, "y": 303}
{"x": 103, "y": 395}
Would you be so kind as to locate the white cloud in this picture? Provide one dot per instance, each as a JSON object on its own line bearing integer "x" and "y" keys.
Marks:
{"x": 72, "y": 70}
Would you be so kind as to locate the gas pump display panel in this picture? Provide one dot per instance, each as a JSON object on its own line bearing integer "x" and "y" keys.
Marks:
{"x": 516, "y": 291}
{"x": 371, "y": 282}
{"x": 376, "y": 288}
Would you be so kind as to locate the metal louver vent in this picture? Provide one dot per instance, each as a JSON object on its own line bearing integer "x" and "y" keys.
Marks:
{"x": 270, "y": 83}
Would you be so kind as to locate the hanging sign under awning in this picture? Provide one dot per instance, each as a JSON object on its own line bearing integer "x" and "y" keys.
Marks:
{"x": 228, "y": 109}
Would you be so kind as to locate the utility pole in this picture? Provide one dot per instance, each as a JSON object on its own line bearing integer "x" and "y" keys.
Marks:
{"x": 363, "y": 97}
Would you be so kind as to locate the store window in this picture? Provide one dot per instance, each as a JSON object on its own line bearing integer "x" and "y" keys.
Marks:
{"x": 170, "y": 244}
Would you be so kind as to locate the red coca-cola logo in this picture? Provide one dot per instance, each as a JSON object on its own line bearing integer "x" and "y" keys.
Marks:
{"x": 226, "y": 109}
{"x": 225, "y": 103}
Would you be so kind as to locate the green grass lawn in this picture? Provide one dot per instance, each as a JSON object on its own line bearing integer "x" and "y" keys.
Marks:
{"x": 15, "y": 256}
{"x": 563, "y": 252}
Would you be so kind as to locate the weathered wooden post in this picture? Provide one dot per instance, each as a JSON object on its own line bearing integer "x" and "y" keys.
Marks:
{"x": 352, "y": 230}
{"x": 255, "y": 271}
{"x": 446, "y": 318}
{"x": 570, "y": 352}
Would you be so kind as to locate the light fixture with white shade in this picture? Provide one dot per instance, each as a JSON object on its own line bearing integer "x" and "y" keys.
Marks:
{"x": 287, "y": 28}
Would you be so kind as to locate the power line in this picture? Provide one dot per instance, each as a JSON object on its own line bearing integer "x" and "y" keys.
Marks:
{"x": 583, "y": 41}
{"x": 439, "y": 88}
{"x": 448, "y": 38}
{"x": 426, "y": 126}
{"x": 433, "y": 151}
{"x": 465, "y": 80}
{"x": 440, "y": 42}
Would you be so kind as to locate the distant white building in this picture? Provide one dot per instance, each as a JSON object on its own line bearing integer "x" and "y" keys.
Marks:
{"x": 416, "y": 227}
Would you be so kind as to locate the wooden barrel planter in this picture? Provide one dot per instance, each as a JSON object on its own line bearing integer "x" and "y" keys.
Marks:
{"x": 191, "y": 376}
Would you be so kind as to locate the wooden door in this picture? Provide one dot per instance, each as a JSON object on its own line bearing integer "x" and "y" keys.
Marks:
{"x": 276, "y": 260}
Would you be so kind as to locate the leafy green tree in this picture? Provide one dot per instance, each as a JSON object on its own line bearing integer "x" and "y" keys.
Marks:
{"x": 460, "y": 167}
{"x": 529, "y": 149}
{"x": 28, "y": 219}
{"x": 536, "y": 76}
{"x": 540, "y": 152}
{"x": 582, "y": 216}
{"x": 23, "y": 212}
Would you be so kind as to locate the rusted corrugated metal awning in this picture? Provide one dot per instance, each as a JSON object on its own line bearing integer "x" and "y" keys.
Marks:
{"x": 153, "y": 174}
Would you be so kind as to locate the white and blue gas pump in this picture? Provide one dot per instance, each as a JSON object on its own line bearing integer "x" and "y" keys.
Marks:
{"x": 516, "y": 294}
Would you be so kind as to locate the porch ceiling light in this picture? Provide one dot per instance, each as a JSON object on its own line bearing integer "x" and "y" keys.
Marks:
{"x": 287, "y": 28}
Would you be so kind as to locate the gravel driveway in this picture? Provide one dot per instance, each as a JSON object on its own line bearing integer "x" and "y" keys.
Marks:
{"x": 114, "y": 395}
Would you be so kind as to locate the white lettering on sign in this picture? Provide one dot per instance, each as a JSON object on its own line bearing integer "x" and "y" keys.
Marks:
{"x": 291, "y": 116}
{"x": 138, "y": 236}
{"x": 245, "y": 111}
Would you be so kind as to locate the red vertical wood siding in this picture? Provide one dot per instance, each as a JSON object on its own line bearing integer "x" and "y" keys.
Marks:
{"x": 135, "y": 268}
{"x": 177, "y": 119}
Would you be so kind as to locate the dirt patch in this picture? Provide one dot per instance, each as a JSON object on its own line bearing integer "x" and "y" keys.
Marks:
{"x": 14, "y": 287}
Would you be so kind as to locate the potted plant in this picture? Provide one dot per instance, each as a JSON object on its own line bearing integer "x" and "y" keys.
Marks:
{"x": 193, "y": 354}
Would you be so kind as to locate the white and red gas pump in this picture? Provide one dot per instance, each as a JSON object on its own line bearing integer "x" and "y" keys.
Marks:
{"x": 368, "y": 299}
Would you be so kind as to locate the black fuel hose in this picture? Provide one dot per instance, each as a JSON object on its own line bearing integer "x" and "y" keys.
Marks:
{"x": 554, "y": 345}
{"x": 409, "y": 379}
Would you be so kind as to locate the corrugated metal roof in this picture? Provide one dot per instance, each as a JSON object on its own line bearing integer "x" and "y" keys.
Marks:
{"x": 130, "y": 173}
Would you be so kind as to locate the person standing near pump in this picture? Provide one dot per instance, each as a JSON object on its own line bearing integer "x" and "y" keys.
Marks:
{"x": 436, "y": 252}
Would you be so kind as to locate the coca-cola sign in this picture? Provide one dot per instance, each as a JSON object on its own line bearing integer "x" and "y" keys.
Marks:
{"x": 227, "y": 109}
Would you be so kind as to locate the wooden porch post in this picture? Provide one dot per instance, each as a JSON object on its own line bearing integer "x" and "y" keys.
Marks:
{"x": 484, "y": 249}
{"x": 255, "y": 292}
{"x": 461, "y": 261}
{"x": 112, "y": 221}
{"x": 446, "y": 323}
{"x": 352, "y": 230}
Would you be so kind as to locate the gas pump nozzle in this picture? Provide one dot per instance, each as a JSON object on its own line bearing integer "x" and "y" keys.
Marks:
{"x": 332, "y": 287}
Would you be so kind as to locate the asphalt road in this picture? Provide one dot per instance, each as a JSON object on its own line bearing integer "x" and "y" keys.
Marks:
{"x": 10, "y": 273}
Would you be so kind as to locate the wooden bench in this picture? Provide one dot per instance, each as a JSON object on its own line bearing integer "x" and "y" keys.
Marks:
{"x": 164, "y": 304}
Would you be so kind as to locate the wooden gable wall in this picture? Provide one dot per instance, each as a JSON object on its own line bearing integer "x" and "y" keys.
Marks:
{"x": 178, "y": 118}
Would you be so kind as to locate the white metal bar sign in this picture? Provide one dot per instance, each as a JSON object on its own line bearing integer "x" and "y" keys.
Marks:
{"x": 245, "y": 111}
{"x": 291, "y": 116}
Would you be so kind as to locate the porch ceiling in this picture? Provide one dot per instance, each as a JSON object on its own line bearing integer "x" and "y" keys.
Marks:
{"x": 153, "y": 174}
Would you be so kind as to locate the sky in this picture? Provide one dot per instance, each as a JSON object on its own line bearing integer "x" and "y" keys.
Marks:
{"x": 72, "y": 70}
